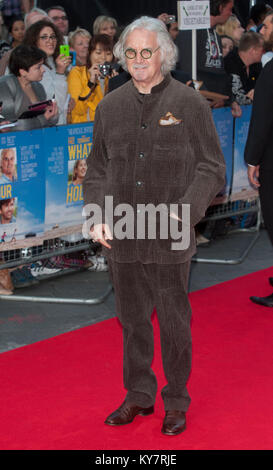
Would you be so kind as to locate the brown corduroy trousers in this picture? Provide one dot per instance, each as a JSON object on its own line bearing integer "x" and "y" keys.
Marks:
{"x": 138, "y": 288}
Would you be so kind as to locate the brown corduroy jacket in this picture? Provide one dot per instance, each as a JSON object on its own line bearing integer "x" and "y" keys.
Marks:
{"x": 137, "y": 160}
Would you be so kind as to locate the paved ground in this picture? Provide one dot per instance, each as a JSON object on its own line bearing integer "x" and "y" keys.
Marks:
{"x": 23, "y": 323}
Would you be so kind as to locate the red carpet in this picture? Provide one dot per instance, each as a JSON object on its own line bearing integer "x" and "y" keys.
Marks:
{"x": 55, "y": 394}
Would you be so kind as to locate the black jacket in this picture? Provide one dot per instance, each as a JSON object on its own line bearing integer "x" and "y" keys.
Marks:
{"x": 241, "y": 82}
{"x": 210, "y": 65}
{"x": 259, "y": 145}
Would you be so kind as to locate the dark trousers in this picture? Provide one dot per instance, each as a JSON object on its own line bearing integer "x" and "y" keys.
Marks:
{"x": 266, "y": 198}
{"x": 138, "y": 288}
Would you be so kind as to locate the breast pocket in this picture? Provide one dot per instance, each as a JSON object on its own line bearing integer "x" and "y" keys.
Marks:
{"x": 168, "y": 165}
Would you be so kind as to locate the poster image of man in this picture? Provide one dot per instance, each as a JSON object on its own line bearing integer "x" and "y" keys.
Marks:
{"x": 8, "y": 161}
{"x": 7, "y": 211}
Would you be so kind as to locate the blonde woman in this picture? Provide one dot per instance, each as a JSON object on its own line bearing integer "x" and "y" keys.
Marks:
{"x": 78, "y": 41}
{"x": 105, "y": 25}
{"x": 232, "y": 28}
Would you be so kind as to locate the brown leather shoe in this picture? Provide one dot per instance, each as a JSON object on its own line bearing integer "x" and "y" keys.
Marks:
{"x": 126, "y": 413}
{"x": 174, "y": 422}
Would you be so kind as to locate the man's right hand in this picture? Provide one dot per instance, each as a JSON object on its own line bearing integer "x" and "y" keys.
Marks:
{"x": 253, "y": 175}
{"x": 100, "y": 233}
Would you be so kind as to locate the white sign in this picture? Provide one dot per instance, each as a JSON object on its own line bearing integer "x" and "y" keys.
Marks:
{"x": 193, "y": 14}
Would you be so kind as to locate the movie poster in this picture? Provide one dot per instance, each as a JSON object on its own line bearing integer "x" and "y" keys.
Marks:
{"x": 223, "y": 121}
{"x": 22, "y": 195}
{"x": 67, "y": 149}
{"x": 241, "y": 189}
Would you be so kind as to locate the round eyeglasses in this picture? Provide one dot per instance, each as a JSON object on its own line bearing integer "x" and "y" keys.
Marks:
{"x": 131, "y": 53}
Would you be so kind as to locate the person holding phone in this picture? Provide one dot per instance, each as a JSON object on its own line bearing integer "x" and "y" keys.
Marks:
{"x": 78, "y": 41}
{"x": 86, "y": 84}
{"x": 21, "y": 89}
{"x": 46, "y": 36}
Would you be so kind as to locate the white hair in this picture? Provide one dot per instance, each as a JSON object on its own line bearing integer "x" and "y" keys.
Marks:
{"x": 168, "y": 50}
{"x": 37, "y": 10}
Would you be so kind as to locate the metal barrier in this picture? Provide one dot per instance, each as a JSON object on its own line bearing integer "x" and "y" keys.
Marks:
{"x": 231, "y": 209}
{"x": 49, "y": 249}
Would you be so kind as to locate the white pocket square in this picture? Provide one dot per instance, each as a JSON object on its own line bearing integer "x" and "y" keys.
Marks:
{"x": 169, "y": 120}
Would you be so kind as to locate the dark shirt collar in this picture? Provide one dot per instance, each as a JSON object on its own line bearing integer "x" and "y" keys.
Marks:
{"x": 156, "y": 89}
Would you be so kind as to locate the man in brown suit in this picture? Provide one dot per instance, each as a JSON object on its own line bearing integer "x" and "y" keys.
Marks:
{"x": 154, "y": 144}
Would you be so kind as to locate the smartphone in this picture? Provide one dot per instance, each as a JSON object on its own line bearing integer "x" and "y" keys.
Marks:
{"x": 73, "y": 55}
{"x": 64, "y": 50}
{"x": 41, "y": 106}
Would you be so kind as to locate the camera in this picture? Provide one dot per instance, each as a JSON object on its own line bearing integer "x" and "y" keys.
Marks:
{"x": 105, "y": 69}
{"x": 170, "y": 19}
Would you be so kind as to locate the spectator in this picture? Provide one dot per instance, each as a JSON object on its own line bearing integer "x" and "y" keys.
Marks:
{"x": 21, "y": 88}
{"x": 210, "y": 65}
{"x": 257, "y": 15}
{"x": 227, "y": 45}
{"x": 171, "y": 24}
{"x": 173, "y": 29}
{"x": 87, "y": 85}
{"x": 4, "y": 44}
{"x": 33, "y": 16}
{"x": 10, "y": 9}
{"x": 46, "y": 36}
{"x": 267, "y": 32}
{"x": 105, "y": 25}
{"x": 244, "y": 66}
{"x": 8, "y": 166}
{"x": 232, "y": 28}
{"x": 17, "y": 31}
{"x": 78, "y": 41}
{"x": 59, "y": 17}
{"x": 36, "y": 14}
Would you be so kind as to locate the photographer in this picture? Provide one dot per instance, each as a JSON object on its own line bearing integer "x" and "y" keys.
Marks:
{"x": 88, "y": 84}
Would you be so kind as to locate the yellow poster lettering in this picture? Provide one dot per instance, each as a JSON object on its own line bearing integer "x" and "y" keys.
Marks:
{"x": 79, "y": 151}
{"x": 72, "y": 152}
{"x": 74, "y": 193}
{"x": 5, "y": 191}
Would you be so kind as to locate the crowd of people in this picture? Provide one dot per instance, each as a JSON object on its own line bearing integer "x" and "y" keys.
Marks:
{"x": 227, "y": 50}
{"x": 34, "y": 66}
